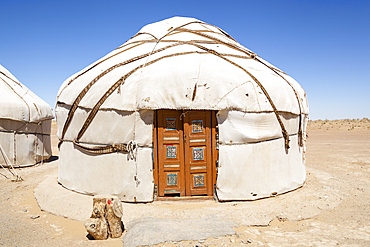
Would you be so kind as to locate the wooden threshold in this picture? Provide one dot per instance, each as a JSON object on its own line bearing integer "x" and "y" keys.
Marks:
{"x": 184, "y": 198}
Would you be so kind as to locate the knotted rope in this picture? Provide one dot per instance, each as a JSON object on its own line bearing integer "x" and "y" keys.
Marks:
{"x": 132, "y": 149}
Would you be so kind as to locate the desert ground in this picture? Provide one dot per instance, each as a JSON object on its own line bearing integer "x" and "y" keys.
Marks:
{"x": 332, "y": 208}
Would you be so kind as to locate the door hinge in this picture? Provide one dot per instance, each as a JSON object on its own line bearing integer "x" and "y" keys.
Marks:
{"x": 217, "y": 142}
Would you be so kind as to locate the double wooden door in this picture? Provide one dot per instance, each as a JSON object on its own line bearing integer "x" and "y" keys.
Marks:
{"x": 185, "y": 160}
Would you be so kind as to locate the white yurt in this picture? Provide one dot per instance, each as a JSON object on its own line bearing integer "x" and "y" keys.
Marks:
{"x": 181, "y": 110}
{"x": 25, "y": 124}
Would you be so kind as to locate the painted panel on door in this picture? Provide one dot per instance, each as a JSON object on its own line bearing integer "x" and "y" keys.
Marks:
{"x": 171, "y": 152}
{"x": 170, "y": 124}
{"x": 171, "y": 179}
{"x": 197, "y": 126}
{"x": 199, "y": 181}
{"x": 198, "y": 154}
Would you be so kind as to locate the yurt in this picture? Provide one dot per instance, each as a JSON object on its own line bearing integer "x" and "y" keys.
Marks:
{"x": 25, "y": 124}
{"x": 181, "y": 110}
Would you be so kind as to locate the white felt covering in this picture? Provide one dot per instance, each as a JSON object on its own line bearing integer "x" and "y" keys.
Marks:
{"x": 27, "y": 146}
{"x": 18, "y": 103}
{"x": 254, "y": 171}
{"x": 113, "y": 174}
{"x": 171, "y": 67}
{"x": 170, "y": 82}
{"x": 25, "y": 123}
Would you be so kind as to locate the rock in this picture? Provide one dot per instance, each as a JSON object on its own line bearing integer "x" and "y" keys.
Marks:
{"x": 97, "y": 228}
{"x": 99, "y": 207}
{"x": 282, "y": 218}
{"x": 114, "y": 214}
{"x": 35, "y": 216}
{"x": 105, "y": 218}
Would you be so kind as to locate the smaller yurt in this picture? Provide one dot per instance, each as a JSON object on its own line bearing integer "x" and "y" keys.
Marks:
{"x": 181, "y": 110}
{"x": 25, "y": 124}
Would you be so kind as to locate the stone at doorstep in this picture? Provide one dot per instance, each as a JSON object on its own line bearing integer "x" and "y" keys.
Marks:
{"x": 105, "y": 220}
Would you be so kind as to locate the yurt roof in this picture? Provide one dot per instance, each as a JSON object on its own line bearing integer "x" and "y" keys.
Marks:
{"x": 183, "y": 63}
{"x": 18, "y": 103}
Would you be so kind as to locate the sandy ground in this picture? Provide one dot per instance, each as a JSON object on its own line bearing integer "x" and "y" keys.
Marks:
{"x": 332, "y": 208}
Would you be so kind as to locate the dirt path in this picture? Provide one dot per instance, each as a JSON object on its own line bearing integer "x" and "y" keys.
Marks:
{"x": 336, "y": 192}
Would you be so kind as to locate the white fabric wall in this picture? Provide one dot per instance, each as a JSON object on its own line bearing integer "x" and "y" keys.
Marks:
{"x": 29, "y": 144}
{"x": 254, "y": 171}
{"x": 112, "y": 174}
{"x": 238, "y": 127}
{"x": 114, "y": 126}
{"x": 253, "y": 161}
{"x": 116, "y": 174}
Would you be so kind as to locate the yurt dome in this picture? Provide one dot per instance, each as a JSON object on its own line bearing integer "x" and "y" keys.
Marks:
{"x": 25, "y": 124}
{"x": 181, "y": 109}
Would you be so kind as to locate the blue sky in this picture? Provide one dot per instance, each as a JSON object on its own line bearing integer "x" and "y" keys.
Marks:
{"x": 324, "y": 45}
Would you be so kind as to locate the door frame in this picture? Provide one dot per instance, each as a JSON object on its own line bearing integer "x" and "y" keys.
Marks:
{"x": 214, "y": 152}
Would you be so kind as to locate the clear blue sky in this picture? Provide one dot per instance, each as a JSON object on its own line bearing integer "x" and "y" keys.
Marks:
{"x": 324, "y": 45}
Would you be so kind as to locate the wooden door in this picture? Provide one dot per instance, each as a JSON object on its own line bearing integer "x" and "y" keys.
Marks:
{"x": 184, "y": 149}
{"x": 171, "y": 179}
{"x": 198, "y": 153}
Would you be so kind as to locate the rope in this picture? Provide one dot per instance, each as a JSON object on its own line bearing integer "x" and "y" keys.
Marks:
{"x": 194, "y": 43}
{"x": 284, "y": 131}
{"x": 141, "y": 42}
{"x": 10, "y": 79}
{"x": 300, "y": 134}
{"x": 15, "y": 176}
{"x": 114, "y": 148}
{"x": 95, "y": 109}
{"x": 39, "y": 124}
{"x": 132, "y": 149}
{"x": 87, "y": 88}
{"x": 21, "y": 97}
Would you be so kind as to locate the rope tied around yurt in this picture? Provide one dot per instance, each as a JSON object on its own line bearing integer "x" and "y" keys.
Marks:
{"x": 113, "y": 148}
{"x": 196, "y": 43}
{"x": 131, "y": 147}
{"x": 87, "y": 88}
{"x": 95, "y": 109}
{"x": 13, "y": 173}
{"x": 2, "y": 73}
{"x": 300, "y": 133}
{"x": 283, "y": 129}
